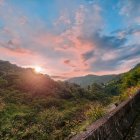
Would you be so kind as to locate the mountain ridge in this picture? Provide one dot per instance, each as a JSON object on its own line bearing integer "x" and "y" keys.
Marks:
{"x": 89, "y": 79}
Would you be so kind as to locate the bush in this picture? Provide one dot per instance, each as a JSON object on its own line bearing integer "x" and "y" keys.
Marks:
{"x": 95, "y": 112}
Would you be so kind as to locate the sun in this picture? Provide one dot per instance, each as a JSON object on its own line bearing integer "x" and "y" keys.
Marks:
{"x": 38, "y": 69}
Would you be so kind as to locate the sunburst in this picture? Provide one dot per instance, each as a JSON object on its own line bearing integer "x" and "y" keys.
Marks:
{"x": 38, "y": 69}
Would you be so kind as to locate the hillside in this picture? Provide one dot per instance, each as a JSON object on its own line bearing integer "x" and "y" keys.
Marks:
{"x": 84, "y": 81}
{"x": 34, "y": 106}
{"x": 35, "y": 84}
{"x": 127, "y": 82}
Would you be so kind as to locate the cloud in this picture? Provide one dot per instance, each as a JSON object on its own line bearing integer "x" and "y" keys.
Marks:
{"x": 24, "y": 58}
{"x": 90, "y": 1}
{"x": 116, "y": 59}
{"x": 130, "y": 7}
{"x": 63, "y": 19}
{"x": 88, "y": 55}
{"x": 13, "y": 46}
{"x": 1, "y": 2}
{"x": 72, "y": 43}
{"x": 112, "y": 51}
{"x": 69, "y": 63}
{"x": 130, "y": 10}
{"x": 108, "y": 41}
{"x": 131, "y": 30}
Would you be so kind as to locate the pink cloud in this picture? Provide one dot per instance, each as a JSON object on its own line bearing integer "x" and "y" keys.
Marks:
{"x": 48, "y": 39}
{"x": 70, "y": 43}
{"x": 63, "y": 19}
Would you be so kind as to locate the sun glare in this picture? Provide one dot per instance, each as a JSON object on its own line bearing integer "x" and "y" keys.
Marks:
{"x": 38, "y": 69}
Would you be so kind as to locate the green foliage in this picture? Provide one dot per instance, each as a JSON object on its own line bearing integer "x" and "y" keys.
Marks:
{"x": 95, "y": 112}
{"x": 131, "y": 79}
{"x": 126, "y": 86}
{"x": 2, "y": 104}
{"x": 35, "y": 107}
{"x": 3, "y": 82}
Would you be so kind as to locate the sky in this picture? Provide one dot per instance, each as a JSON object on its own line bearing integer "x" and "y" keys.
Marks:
{"x": 70, "y": 38}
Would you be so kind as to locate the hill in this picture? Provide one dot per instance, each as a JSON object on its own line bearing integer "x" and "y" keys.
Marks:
{"x": 34, "y": 106}
{"x": 35, "y": 84}
{"x": 84, "y": 81}
{"x": 126, "y": 83}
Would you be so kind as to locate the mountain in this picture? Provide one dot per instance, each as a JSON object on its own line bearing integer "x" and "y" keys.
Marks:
{"x": 90, "y": 79}
{"x": 84, "y": 81}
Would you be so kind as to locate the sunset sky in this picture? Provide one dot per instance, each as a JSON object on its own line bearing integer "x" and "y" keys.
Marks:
{"x": 69, "y": 38}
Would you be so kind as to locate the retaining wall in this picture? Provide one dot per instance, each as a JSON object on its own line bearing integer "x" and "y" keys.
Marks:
{"x": 115, "y": 125}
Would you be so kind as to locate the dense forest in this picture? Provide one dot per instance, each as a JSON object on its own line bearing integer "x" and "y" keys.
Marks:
{"x": 35, "y": 107}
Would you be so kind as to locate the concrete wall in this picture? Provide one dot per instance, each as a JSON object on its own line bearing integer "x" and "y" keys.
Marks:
{"x": 115, "y": 125}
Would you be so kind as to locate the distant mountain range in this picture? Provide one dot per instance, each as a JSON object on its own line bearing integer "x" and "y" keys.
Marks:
{"x": 84, "y": 81}
{"x": 90, "y": 79}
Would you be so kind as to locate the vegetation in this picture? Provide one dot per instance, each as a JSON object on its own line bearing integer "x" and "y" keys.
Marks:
{"x": 126, "y": 86}
{"x": 84, "y": 81}
{"x": 35, "y": 107}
